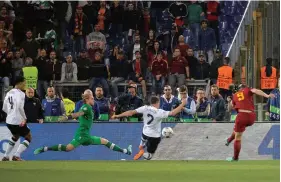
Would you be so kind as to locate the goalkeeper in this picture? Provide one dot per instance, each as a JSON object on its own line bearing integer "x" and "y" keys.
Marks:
{"x": 82, "y": 136}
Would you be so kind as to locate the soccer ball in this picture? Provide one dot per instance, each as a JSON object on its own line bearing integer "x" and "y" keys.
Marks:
{"x": 167, "y": 132}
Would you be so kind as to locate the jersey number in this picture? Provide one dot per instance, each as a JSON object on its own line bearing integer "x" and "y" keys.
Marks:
{"x": 11, "y": 102}
{"x": 240, "y": 96}
{"x": 151, "y": 119}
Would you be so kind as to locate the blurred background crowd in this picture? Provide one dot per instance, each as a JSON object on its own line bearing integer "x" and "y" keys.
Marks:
{"x": 124, "y": 51}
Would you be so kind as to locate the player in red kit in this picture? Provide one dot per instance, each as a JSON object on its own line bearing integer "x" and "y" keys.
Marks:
{"x": 243, "y": 103}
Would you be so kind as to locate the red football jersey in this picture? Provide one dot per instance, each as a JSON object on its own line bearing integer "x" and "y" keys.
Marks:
{"x": 243, "y": 99}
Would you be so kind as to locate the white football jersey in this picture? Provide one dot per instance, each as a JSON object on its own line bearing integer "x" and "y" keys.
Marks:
{"x": 14, "y": 107}
{"x": 152, "y": 119}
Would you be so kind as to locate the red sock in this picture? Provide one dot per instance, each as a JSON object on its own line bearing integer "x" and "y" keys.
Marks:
{"x": 231, "y": 138}
{"x": 237, "y": 148}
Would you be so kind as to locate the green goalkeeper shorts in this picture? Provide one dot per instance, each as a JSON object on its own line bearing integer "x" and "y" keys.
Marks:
{"x": 85, "y": 141}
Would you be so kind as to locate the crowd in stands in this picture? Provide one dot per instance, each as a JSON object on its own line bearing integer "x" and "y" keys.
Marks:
{"x": 108, "y": 43}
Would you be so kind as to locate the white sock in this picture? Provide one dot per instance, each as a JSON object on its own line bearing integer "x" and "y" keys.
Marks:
{"x": 10, "y": 147}
{"x": 125, "y": 151}
{"x": 23, "y": 146}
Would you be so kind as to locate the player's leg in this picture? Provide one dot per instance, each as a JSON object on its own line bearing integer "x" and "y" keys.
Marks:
{"x": 141, "y": 147}
{"x": 11, "y": 145}
{"x": 102, "y": 141}
{"x": 64, "y": 148}
{"x": 152, "y": 145}
{"x": 24, "y": 145}
{"x": 239, "y": 128}
{"x": 230, "y": 139}
{"x": 14, "y": 129}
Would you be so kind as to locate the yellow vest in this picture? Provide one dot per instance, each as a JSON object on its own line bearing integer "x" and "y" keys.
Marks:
{"x": 31, "y": 76}
{"x": 69, "y": 106}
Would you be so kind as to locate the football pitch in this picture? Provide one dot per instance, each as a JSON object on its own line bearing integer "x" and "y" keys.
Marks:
{"x": 140, "y": 171}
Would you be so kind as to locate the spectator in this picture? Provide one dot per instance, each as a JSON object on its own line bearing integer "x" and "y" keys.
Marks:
{"x": 99, "y": 74}
{"x": 273, "y": 104}
{"x": 6, "y": 35}
{"x": 53, "y": 106}
{"x": 217, "y": 105}
{"x": 131, "y": 22}
{"x": 202, "y": 69}
{"x": 9, "y": 58}
{"x": 159, "y": 71}
{"x": 129, "y": 101}
{"x": 5, "y": 73}
{"x": 91, "y": 11}
{"x": 168, "y": 101}
{"x": 195, "y": 14}
{"x": 3, "y": 50}
{"x": 166, "y": 24}
{"x": 179, "y": 11}
{"x": 83, "y": 64}
{"x": 56, "y": 65}
{"x": 79, "y": 29}
{"x": 150, "y": 41}
{"x": 63, "y": 13}
{"x": 119, "y": 70}
{"x": 117, "y": 17}
{"x": 103, "y": 104}
{"x": 92, "y": 51}
{"x": 103, "y": 16}
{"x": 215, "y": 66}
{"x": 30, "y": 47}
{"x": 182, "y": 46}
{"x": 187, "y": 115}
{"x": 138, "y": 45}
{"x": 17, "y": 64}
{"x": 146, "y": 22}
{"x": 45, "y": 73}
{"x": 192, "y": 63}
{"x": 268, "y": 76}
{"x": 32, "y": 107}
{"x": 96, "y": 37}
{"x": 138, "y": 72}
{"x": 203, "y": 106}
{"x": 225, "y": 76}
{"x": 69, "y": 105}
{"x": 5, "y": 17}
{"x": 69, "y": 70}
{"x": 207, "y": 40}
{"x": 95, "y": 108}
{"x": 213, "y": 12}
{"x": 152, "y": 55}
{"x": 179, "y": 70}
{"x": 30, "y": 73}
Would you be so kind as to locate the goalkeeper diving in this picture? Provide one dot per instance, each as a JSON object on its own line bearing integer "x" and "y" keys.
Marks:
{"x": 82, "y": 136}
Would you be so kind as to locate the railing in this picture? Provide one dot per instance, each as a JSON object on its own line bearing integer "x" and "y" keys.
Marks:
{"x": 76, "y": 88}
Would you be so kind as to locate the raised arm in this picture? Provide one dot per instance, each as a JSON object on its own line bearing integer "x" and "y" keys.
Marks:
{"x": 125, "y": 114}
{"x": 261, "y": 93}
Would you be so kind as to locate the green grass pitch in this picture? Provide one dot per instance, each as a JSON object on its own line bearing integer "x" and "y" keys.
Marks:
{"x": 140, "y": 171}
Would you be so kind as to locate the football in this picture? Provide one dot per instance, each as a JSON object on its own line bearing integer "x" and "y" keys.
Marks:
{"x": 167, "y": 132}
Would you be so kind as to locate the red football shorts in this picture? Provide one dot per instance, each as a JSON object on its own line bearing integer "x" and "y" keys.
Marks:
{"x": 244, "y": 120}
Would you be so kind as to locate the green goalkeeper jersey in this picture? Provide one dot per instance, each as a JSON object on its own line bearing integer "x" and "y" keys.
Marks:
{"x": 85, "y": 121}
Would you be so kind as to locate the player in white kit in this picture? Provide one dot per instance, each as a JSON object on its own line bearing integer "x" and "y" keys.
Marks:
{"x": 152, "y": 119}
{"x": 16, "y": 120}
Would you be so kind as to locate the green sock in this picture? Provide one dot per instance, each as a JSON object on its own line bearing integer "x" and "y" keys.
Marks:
{"x": 114, "y": 147}
{"x": 58, "y": 147}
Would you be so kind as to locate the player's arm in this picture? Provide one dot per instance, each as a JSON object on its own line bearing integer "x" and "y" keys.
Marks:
{"x": 261, "y": 93}
{"x": 75, "y": 115}
{"x": 139, "y": 110}
{"x": 125, "y": 114}
{"x": 178, "y": 109}
{"x": 22, "y": 112}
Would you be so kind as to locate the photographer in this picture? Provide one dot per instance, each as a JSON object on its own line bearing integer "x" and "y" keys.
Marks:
{"x": 129, "y": 101}
{"x": 203, "y": 107}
